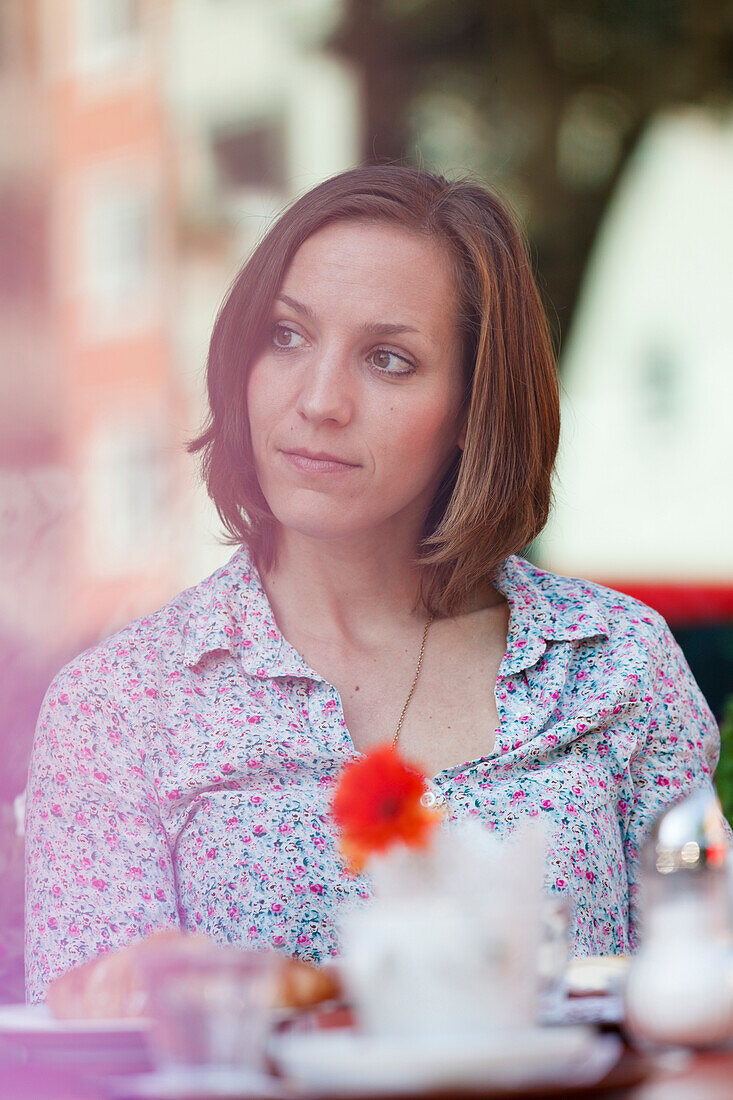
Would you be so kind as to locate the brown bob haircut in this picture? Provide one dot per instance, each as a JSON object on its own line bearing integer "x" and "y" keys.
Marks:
{"x": 495, "y": 497}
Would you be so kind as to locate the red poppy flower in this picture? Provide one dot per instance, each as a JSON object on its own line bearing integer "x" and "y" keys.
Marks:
{"x": 377, "y": 804}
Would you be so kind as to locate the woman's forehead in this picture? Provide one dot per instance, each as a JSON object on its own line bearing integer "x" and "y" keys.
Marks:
{"x": 406, "y": 275}
{"x": 387, "y": 239}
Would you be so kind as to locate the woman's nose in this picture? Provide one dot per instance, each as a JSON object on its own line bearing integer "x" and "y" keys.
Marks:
{"x": 326, "y": 392}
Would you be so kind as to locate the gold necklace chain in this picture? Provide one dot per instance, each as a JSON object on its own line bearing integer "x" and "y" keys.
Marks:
{"x": 414, "y": 682}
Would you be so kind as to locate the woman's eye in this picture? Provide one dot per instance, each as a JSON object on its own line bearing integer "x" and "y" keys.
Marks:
{"x": 283, "y": 337}
{"x": 381, "y": 358}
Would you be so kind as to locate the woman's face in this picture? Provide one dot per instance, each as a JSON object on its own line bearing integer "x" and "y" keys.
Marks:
{"x": 354, "y": 401}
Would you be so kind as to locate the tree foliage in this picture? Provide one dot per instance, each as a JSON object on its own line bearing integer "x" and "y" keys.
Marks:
{"x": 544, "y": 99}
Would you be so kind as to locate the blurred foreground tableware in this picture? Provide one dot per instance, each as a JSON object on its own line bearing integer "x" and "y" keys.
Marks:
{"x": 680, "y": 988}
{"x": 39, "y": 1083}
{"x": 211, "y": 1009}
{"x": 553, "y": 953}
{"x": 596, "y": 975}
{"x": 448, "y": 943}
{"x": 198, "y": 1083}
{"x": 31, "y": 1036}
{"x": 592, "y": 992}
{"x": 349, "y": 1063}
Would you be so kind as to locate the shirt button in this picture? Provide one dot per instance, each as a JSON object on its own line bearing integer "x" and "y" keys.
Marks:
{"x": 429, "y": 799}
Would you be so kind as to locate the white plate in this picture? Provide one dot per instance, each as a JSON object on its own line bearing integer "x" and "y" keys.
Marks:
{"x": 596, "y": 974}
{"x": 347, "y": 1062}
{"x": 607, "y": 1008}
{"x": 37, "y": 1020}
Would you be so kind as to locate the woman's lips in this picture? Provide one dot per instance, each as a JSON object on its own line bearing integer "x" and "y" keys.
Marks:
{"x": 309, "y": 465}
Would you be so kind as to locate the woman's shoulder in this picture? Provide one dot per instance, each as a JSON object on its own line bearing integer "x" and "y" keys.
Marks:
{"x": 157, "y": 645}
{"x": 576, "y": 606}
{"x": 623, "y": 642}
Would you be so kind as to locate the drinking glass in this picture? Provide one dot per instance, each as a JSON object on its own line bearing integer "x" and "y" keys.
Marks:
{"x": 210, "y": 1010}
{"x": 554, "y": 952}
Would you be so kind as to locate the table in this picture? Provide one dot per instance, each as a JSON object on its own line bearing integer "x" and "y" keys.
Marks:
{"x": 685, "y": 1076}
{"x": 708, "y": 1076}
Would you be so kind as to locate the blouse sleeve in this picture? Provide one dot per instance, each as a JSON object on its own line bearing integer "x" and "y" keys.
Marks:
{"x": 678, "y": 754}
{"x": 98, "y": 864}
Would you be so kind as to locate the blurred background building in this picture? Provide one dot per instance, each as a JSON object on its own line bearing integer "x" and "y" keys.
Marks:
{"x": 146, "y": 146}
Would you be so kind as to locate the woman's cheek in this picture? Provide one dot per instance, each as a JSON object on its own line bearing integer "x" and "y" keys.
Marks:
{"x": 421, "y": 439}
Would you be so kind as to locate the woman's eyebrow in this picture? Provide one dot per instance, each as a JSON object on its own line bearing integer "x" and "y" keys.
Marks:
{"x": 369, "y": 328}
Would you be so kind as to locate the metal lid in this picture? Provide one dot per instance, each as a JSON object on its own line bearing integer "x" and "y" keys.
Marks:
{"x": 689, "y": 836}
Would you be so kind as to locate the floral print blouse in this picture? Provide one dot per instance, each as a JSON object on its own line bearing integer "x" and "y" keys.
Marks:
{"x": 182, "y": 769}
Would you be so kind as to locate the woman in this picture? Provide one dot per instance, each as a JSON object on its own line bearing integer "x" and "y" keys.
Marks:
{"x": 384, "y": 422}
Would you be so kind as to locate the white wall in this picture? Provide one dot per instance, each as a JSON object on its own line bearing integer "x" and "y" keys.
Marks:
{"x": 644, "y": 485}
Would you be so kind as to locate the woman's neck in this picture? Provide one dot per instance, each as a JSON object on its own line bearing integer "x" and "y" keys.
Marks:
{"x": 333, "y": 590}
{"x": 349, "y": 593}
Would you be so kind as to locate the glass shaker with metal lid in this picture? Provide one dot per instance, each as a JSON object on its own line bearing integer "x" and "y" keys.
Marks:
{"x": 680, "y": 987}
{"x": 685, "y": 870}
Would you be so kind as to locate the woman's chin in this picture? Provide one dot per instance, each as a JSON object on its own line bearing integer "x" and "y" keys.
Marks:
{"x": 320, "y": 528}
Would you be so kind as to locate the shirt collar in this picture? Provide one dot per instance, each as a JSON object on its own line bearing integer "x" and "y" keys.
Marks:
{"x": 231, "y": 612}
{"x": 545, "y": 607}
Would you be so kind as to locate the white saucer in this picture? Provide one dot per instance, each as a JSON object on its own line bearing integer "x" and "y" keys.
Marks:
{"x": 198, "y": 1083}
{"x": 32, "y": 1020}
{"x": 347, "y": 1062}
